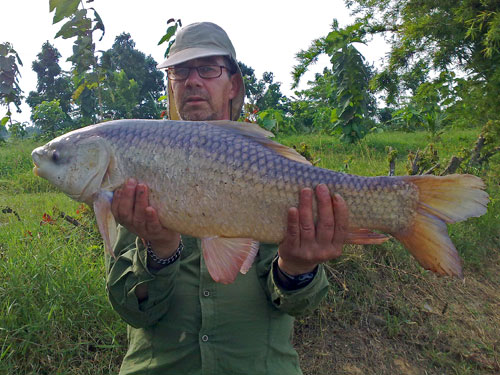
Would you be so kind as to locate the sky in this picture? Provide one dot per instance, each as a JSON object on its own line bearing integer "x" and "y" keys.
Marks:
{"x": 266, "y": 34}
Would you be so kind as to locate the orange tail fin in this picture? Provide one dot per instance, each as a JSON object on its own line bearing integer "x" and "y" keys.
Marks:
{"x": 445, "y": 199}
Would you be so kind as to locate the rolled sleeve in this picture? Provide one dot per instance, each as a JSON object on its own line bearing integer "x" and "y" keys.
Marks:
{"x": 129, "y": 270}
{"x": 301, "y": 301}
{"x": 293, "y": 302}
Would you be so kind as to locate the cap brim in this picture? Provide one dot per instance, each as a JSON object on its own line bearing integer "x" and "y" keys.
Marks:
{"x": 190, "y": 54}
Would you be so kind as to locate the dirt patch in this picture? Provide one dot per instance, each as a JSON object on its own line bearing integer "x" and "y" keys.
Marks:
{"x": 405, "y": 324}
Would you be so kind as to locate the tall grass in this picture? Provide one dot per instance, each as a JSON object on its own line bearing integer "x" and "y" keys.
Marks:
{"x": 54, "y": 316}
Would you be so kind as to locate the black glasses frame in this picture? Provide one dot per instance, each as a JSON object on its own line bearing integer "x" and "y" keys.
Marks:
{"x": 184, "y": 71}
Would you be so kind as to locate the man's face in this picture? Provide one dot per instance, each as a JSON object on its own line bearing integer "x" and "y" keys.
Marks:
{"x": 203, "y": 99}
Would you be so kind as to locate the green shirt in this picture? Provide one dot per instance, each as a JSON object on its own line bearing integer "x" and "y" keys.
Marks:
{"x": 191, "y": 325}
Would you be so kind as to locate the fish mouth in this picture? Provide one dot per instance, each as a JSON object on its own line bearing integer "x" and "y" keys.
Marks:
{"x": 34, "y": 157}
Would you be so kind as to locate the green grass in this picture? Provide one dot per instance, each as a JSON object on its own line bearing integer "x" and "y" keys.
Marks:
{"x": 384, "y": 313}
{"x": 54, "y": 316}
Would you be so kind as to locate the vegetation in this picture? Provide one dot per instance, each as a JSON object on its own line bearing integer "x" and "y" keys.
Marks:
{"x": 432, "y": 108}
{"x": 384, "y": 313}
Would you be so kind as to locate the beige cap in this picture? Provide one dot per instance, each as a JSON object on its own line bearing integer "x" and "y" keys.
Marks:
{"x": 205, "y": 39}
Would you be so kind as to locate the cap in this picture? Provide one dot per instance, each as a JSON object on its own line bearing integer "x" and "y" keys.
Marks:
{"x": 204, "y": 39}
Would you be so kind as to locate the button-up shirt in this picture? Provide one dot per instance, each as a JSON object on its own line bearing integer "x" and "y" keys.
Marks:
{"x": 190, "y": 324}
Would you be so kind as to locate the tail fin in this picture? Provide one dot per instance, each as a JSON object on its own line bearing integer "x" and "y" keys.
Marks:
{"x": 445, "y": 199}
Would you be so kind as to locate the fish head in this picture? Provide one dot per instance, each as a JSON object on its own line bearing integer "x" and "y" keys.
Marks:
{"x": 74, "y": 163}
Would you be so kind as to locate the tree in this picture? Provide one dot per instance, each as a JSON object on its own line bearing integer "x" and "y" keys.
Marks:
{"x": 439, "y": 37}
{"x": 140, "y": 71}
{"x": 52, "y": 82}
{"x": 351, "y": 78}
{"x": 265, "y": 102}
{"x": 315, "y": 107}
{"x": 87, "y": 75}
{"x": 49, "y": 118}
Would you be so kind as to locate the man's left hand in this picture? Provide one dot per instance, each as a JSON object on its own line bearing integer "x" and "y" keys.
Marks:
{"x": 306, "y": 245}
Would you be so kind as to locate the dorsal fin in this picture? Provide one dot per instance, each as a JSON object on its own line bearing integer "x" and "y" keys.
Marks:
{"x": 260, "y": 135}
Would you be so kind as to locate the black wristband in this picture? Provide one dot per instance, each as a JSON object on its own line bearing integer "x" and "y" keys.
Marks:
{"x": 164, "y": 261}
{"x": 290, "y": 282}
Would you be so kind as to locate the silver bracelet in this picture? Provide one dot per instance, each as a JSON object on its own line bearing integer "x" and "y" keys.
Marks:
{"x": 164, "y": 261}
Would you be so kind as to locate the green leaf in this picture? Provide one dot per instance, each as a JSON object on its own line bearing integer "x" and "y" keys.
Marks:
{"x": 333, "y": 115}
{"x": 99, "y": 24}
{"x": 170, "y": 33}
{"x": 64, "y": 8}
{"x": 168, "y": 48}
{"x": 4, "y": 120}
{"x": 79, "y": 91}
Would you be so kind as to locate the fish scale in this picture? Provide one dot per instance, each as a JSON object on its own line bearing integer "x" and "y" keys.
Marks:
{"x": 227, "y": 180}
{"x": 247, "y": 166}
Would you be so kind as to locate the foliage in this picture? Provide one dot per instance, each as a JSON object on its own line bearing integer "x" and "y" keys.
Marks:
{"x": 350, "y": 75}
{"x": 52, "y": 82}
{"x": 315, "y": 107}
{"x": 87, "y": 75}
{"x": 17, "y": 130}
{"x": 132, "y": 82}
{"x": 275, "y": 121}
{"x": 49, "y": 118}
{"x": 265, "y": 104}
{"x": 10, "y": 92}
{"x": 439, "y": 38}
{"x": 170, "y": 33}
{"x": 262, "y": 94}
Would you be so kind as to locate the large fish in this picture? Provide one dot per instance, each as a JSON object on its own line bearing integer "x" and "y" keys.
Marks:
{"x": 228, "y": 184}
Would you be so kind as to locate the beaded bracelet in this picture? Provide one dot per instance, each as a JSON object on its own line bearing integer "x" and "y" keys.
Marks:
{"x": 164, "y": 261}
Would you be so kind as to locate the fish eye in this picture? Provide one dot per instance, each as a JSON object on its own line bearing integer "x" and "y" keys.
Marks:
{"x": 55, "y": 156}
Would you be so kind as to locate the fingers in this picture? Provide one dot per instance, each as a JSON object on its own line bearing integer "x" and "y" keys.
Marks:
{"x": 292, "y": 238}
{"x": 122, "y": 206}
{"x": 306, "y": 218}
{"x": 326, "y": 222}
{"x": 139, "y": 209}
{"x": 153, "y": 225}
{"x": 341, "y": 218}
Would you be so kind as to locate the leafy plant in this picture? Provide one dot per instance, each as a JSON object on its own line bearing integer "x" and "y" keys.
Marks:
{"x": 87, "y": 73}
{"x": 170, "y": 33}
{"x": 351, "y": 77}
{"x": 49, "y": 118}
{"x": 10, "y": 92}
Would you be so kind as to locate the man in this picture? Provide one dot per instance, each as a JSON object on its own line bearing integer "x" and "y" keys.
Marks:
{"x": 180, "y": 320}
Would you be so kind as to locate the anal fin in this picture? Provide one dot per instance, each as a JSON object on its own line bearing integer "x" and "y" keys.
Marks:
{"x": 225, "y": 257}
{"x": 365, "y": 237}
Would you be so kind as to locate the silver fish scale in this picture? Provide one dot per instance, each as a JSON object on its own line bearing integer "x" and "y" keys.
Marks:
{"x": 209, "y": 180}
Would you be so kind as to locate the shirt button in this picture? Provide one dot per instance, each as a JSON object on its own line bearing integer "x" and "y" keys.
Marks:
{"x": 206, "y": 293}
{"x": 204, "y": 338}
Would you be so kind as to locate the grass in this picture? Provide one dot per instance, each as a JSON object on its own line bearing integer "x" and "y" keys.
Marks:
{"x": 54, "y": 316}
{"x": 383, "y": 315}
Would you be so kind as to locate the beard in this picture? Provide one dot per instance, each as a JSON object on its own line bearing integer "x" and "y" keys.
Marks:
{"x": 202, "y": 112}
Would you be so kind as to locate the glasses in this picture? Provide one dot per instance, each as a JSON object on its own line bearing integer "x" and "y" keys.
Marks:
{"x": 205, "y": 71}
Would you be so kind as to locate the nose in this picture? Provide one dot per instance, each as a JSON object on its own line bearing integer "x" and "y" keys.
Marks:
{"x": 193, "y": 79}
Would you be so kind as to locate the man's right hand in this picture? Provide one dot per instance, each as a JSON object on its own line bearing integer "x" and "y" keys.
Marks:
{"x": 131, "y": 208}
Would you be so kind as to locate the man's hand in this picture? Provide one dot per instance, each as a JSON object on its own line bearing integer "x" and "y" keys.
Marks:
{"x": 304, "y": 245}
{"x": 130, "y": 207}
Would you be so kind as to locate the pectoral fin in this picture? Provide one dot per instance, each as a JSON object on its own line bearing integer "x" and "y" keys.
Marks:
{"x": 224, "y": 257}
{"x": 105, "y": 219}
